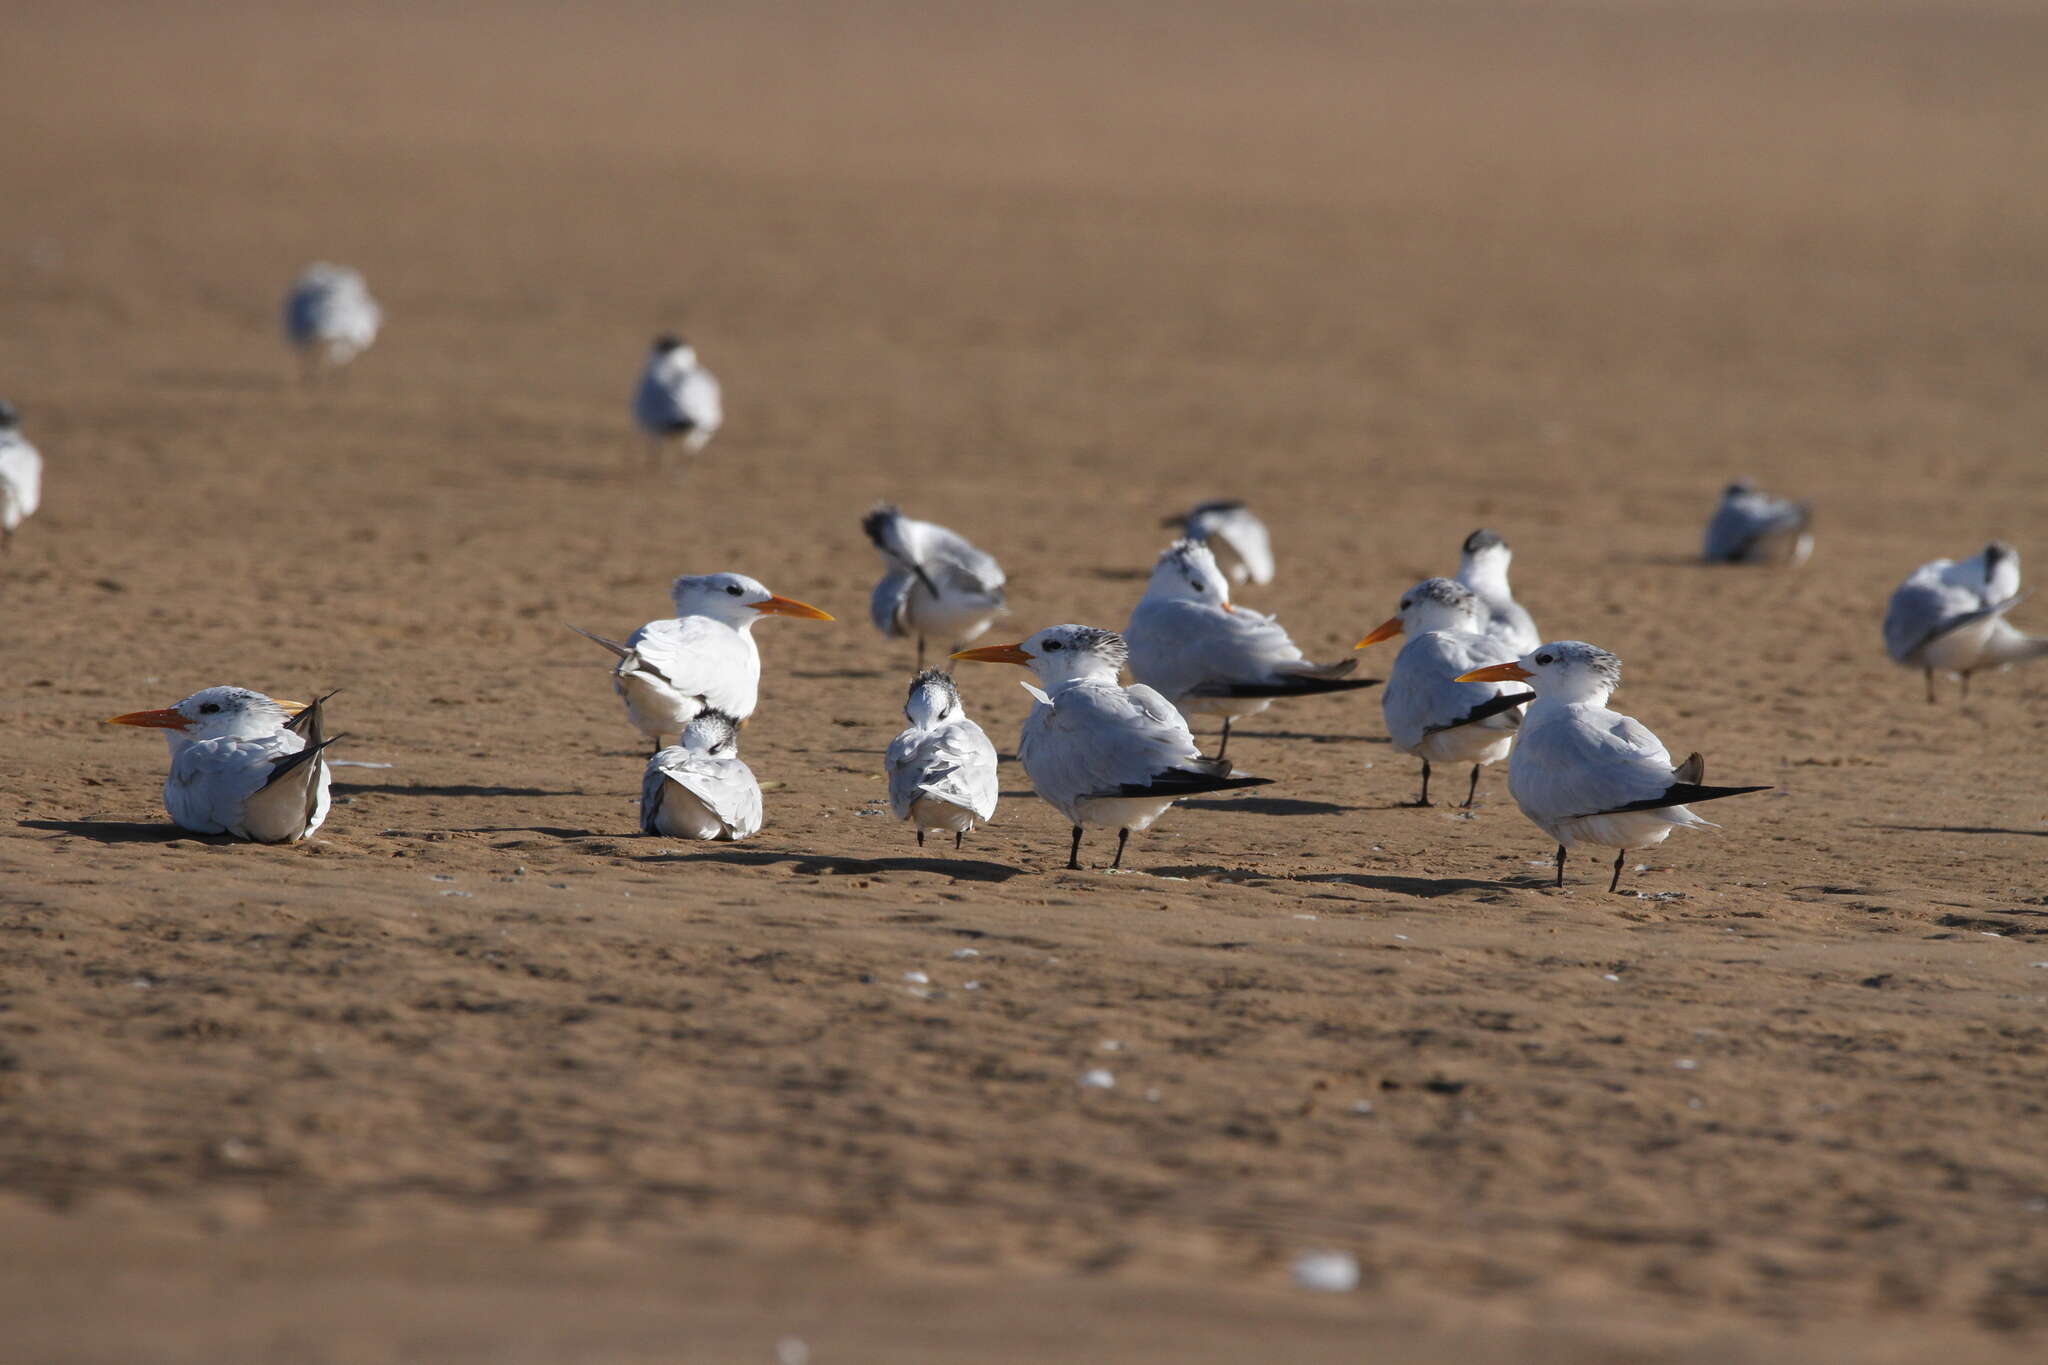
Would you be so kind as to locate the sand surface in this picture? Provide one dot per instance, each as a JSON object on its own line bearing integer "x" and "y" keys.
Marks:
{"x": 482, "y": 1075}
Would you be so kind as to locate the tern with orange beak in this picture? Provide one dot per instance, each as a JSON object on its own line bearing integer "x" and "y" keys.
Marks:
{"x": 942, "y": 768}
{"x": 1098, "y": 752}
{"x": 1430, "y": 713}
{"x": 1208, "y": 656}
{"x": 1483, "y": 567}
{"x": 677, "y": 399}
{"x": 703, "y": 659}
{"x": 1234, "y": 526}
{"x": 1588, "y": 775}
{"x": 698, "y": 788}
{"x": 1949, "y": 617}
{"x": 242, "y": 765}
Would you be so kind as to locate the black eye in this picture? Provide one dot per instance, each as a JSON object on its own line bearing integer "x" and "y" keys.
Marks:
{"x": 209, "y": 708}
{"x": 1053, "y": 644}
{"x": 1195, "y": 585}
{"x": 1407, "y": 602}
{"x": 733, "y": 588}
{"x": 1542, "y": 658}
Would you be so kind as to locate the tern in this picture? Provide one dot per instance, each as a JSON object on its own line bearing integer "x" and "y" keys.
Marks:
{"x": 1754, "y": 527}
{"x": 942, "y": 768}
{"x": 1483, "y": 568}
{"x": 1210, "y": 657}
{"x": 697, "y": 788}
{"x": 1430, "y": 714}
{"x": 1098, "y": 752}
{"x": 21, "y": 476}
{"x": 677, "y": 397}
{"x": 1240, "y": 531}
{"x": 702, "y": 659}
{"x": 330, "y": 317}
{"x": 1949, "y": 617}
{"x": 1587, "y": 775}
{"x": 935, "y": 584}
{"x": 242, "y": 764}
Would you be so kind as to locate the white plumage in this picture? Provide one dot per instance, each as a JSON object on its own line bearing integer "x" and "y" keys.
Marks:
{"x": 935, "y": 583}
{"x": 1098, "y": 752}
{"x": 1237, "y": 529}
{"x": 1754, "y": 527}
{"x": 942, "y": 768}
{"x": 677, "y": 397}
{"x": 1949, "y": 617}
{"x": 698, "y": 788}
{"x": 702, "y": 659}
{"x": 240, "y": 765}
{"x": 21, "y": 476}
{"x": 1483, "y": 567}
{"x": 329, "y": 315}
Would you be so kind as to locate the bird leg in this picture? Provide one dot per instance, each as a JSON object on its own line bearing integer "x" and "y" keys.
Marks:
{"x": 1423, "y": 799}
{"x": 958, "y": 835}
{"x": 920, "y": 653}
{"x": 1560, "y": 864}
{"x": 1074, "y": 853}
{"x": 1472, "y": 792}
{"x": 1619, "y": 855}
{"x": 920, "y": 838}
{"x": 1930, "y": 687}
{"x": 1966, "y": 687}
{"x": 1223, "y": 746}
{"x": 1123, "y": 836}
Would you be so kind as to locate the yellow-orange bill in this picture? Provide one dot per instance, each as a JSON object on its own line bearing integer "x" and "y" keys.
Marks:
{"x": 291, "y": 708}
{"x": 1508, "y": 672}
{"x": 996, "y": 654}
{"x": 1385, "y": 630}
{"x": 165, "y": 719}
{"x": 789, "y": 606}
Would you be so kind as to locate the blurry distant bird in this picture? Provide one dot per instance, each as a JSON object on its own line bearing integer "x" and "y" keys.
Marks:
{"x": 1754, "y": 527}
{"x": 241, "y": 765}
{"x": 21, "y": 476}
{"x": 1232, "y": 527}
{"x": 330, "y": 317}
{"x": 677, "y": 397}
{"x": 1949, "y": 617}
{"x": 1210, "y": 657}
{"x": 1098, "y": 752}
{"x": 1484, "y": 569}
{"x": 1588, "y": 775}
{"x": 702, "y": 659}
{"x": 1429, "y": 712}
{"x": 697, "y": 788}
{"x": 935, "y": 583}
{"x": 942, "y": 768}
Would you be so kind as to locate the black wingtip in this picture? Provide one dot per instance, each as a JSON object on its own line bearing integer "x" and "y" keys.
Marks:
{"x": 1293, "y": 687}
{"x": 1682, "y": 794}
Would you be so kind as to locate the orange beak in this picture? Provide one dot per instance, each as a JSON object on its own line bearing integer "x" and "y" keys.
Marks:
{"x": 1385, "y": 630}
{"x": 166, "y": 719}
{"x": 1508, "y": 672}
{"x": 789, "y": 606}
{"x": 291, "y": 708}
{"x": 996, "y": 654}
{"x": 1228, "y": 606}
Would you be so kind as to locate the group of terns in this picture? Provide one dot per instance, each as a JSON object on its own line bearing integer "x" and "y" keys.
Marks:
{"x": 1474, "y": 682}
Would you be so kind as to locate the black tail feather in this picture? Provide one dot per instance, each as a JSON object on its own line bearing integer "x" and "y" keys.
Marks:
{"x": 1178, "y": 782}
{"x": 1292, "y": 687}
{"x": 1492, "y": 706}
{"x": 1681, "y": 794}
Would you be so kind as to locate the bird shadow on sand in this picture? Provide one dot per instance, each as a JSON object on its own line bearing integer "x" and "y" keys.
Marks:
{"x": 397, "y": 789}
{"x": 1959, "y": 829}
{"x": 1273, "y": 805}
{"x": 820, "y": 865}
{"x": 126, "y": 832}
{"x": 1424, "y": 887}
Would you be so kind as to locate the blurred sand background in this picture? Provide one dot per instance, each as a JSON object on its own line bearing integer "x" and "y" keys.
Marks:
{"x": 481, "y": 1075}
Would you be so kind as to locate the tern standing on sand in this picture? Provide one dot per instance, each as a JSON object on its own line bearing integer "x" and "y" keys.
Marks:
{"x": 1246, "y": 544}
{"x": 21, "y": 476}
{"x": 1098, "y": 752}
{"x": 330, "y": 317}
{"x": 1754, "y": 527}
{"x": 698, "y": 788}
{"x": 942, "y": 768}
{"x": 702, "y": 659}
{"x": 241, "y": 765}
{"x": 1949, "y": 617}
{"x": 1430, "y": 714}
{"x": 1588, "y": 775}
{"x": 935, "y": 584}
{"x": 677, "y": 398}
{"x": 1483, "y": 568}
{"x": 1210, "y": 657}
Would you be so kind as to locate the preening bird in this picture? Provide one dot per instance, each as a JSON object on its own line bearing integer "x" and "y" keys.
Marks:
{"x": 330, "y": 317}
{"x": 1098, "y": 752}
{"x": 1588, "y": 775}
{"x": 942, "y": 768}
{"x": 702, "y": 659}
{"x": 21, "y": 476}
{"x": 1210, "y": 657}
{"x": 1949, "y": 617}
{"x": 1430, "y": 714}
{"x": 935, "y": 583}
{"x": 1754, "y": 527}
{"x": 697, "y": 788}
{"x": 1225, "y": 522}
{"x": 677, "y": 398}
{"x": 1483, "y": 567}
{"x": 242, "y": 765}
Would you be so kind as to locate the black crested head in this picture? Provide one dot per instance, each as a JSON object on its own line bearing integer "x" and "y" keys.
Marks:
{"x": 666, "y": 342}
{"x": 1217, "y": 505}
{"x": 1996, "y": 553}
{"x": 9, "y": 418}
{"x": 1482, "y": 539}
{"x": 1738, "y": 488}
{"x": 714, "y": 729}
{"x": 934, "y": 677}
{"x": 876, "y": 523}
{"x": 1445, "y": 592}
{"x": 1105, "y": 643}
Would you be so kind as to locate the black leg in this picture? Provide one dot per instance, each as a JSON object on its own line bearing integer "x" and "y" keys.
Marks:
{"x": 1224, "y": 747}
{"x": 1074, "y": 853}
{"x": 1123, "y": 836}
{"x": 1615, "y": 884}
{"x": 1423, "y": 799}
{"x": 920, "y": 653}
{"x": 1930, "y": 687}
{"x": 958, "y": 835}
{"x": 1472, "y": 792}
{"x": 920, "y": 838}
{"x": 1560, "y": 864}
{"x": 1966, "y": 687}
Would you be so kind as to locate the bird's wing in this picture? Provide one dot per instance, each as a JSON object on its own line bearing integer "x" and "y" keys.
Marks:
{"x": 904, "y": 765}
{"x": 956, "y": 566}
{"x": 1590, "y": 761}
{"x": 1927, "y": 605}
{"x": 1248, "y": 539}
{"x": 701, "y": 398}
{"x": 21, "y": 472}
{"x": 889, "y": 605}
{"x": 1093, "y": 740}
{"x": 1422, "y": 698}
{"x": 725, "y": 785}
{"x": 1740, "y": 522}
{"x": 651, "y": 787}
{"x": 1201, "y": 648}
{"x": 960, "y": 767}
{"x": 695, "y": 656}
{"x": 211, "y": 781}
